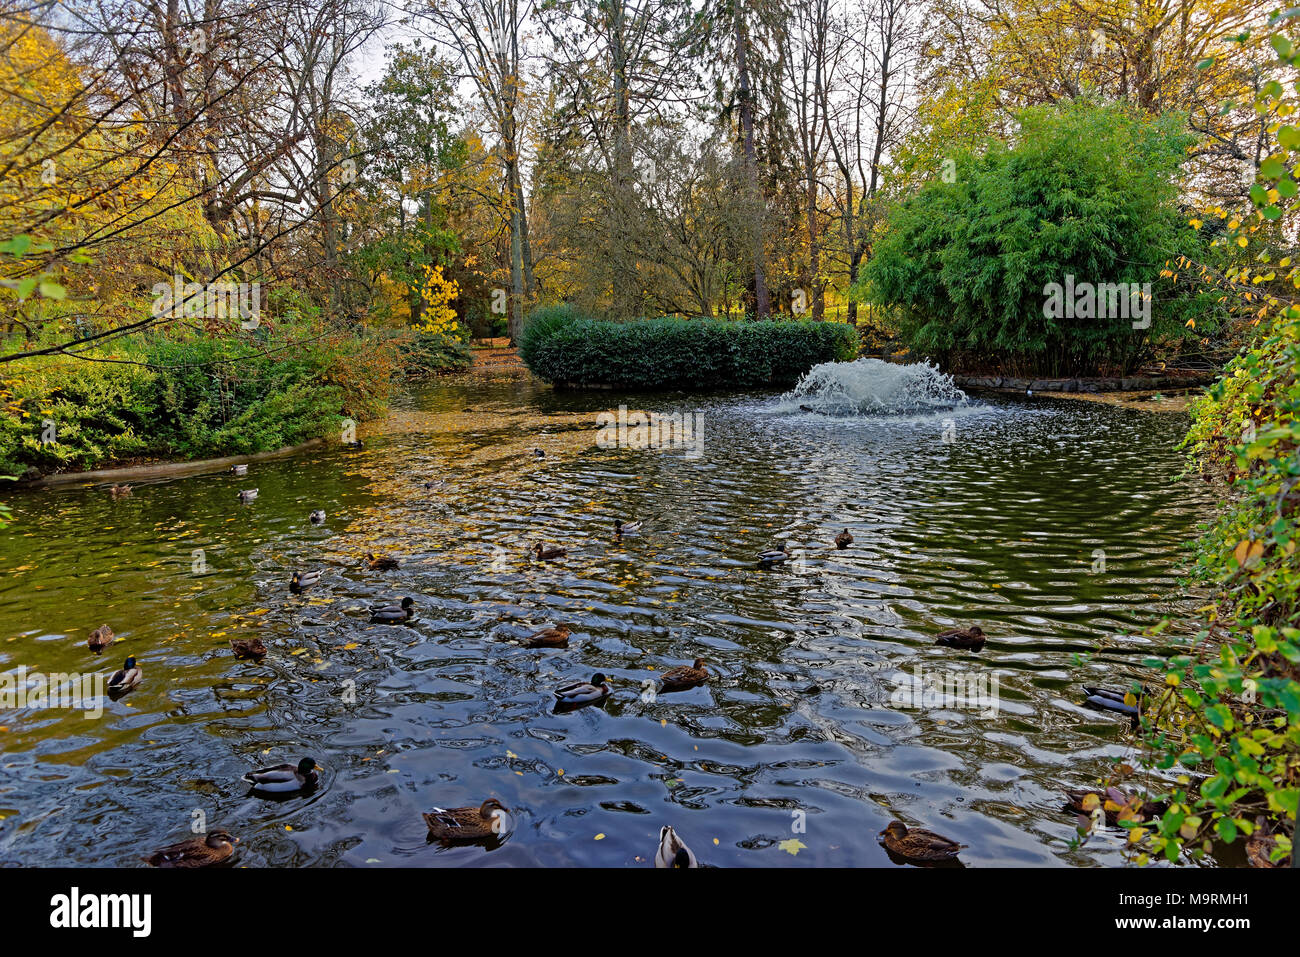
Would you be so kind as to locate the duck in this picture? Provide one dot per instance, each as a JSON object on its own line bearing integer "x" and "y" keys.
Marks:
{"x": 119, "y": 491}
{"x": 317, "y": 517}
{"x": 248, "y": 647}
{"x": 100, "y": 639}
{"x": 489, "y": 819}
{"x": 123, "y": 681}
{"x": 685, "y": 676}
{"x": 627, "y": 528}
{"x": 557, "y": 637}
{"x": 284, "y": 778}
{"x": 1108, "y": 699}
{"x": 248, "y": 494}
{"x": 1113, "y": 802}
{"x": 673, "y": 851}
{"x": 843, "y": 540}
{"x": 404, "y": 611}
{"x": 582, "y": 692}
{"x": 538, "y": 453}
{"x": 970, "y": 639}
{"x": 547, "y": 554}
{"x": 355, "y": 445}
{"x": 918, "y": 844}
{"x": 775, "y": 556}
{"x": 197, "y": 852}
{"x": 301, "y": 581}
{"x": 239, "y": 470}
{"x": 383, "y": 563}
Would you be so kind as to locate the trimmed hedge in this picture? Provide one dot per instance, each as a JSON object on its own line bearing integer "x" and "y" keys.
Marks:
{"x": 563, "y": 347}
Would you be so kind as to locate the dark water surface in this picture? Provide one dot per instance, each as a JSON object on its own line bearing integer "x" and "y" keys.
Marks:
{"x": 999, "y": 526}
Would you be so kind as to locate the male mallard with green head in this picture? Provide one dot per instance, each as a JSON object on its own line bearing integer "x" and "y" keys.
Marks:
{"x": 627, "y": 528}
{"x": 489, "y": 819}
{"x": 248, "y": 494}
{"x": 582, "y": 692}
{"x": 216, "y": 848}
{"x": 127, "y": 678}
{"x": 284, "y": 778}
{"x": 301, "y": 581}
{"x": 673, "y": 851}
{"x": 776, "y": 556}
{"x": 391, "y": 614}
{"x": 918, "y": 844}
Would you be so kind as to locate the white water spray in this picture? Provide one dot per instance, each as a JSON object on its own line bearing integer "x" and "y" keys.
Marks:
{"x": 872, "y": 387}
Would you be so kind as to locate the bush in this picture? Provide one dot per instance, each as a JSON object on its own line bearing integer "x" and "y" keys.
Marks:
{"x": 430, "y": 353}
{"x": 561, "y": 346}
{"x": 1087, "y": 191}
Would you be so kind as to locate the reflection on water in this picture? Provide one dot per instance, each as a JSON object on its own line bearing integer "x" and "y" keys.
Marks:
{"x": 1007, "y": 524}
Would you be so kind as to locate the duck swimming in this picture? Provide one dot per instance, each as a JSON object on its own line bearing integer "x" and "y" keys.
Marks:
{"x": 547, "y": 554}
{"x": 685, "y": 676}
{"x": 127, "y": 678}
{"x": 918, "y": 844}
{"x": 284, "y": 778}
{"x": 557, "y": 637}
{"x": 843, "y": 540}
{"x": 583, "y": 692}
{"x": 239, "y": 470}
{"x": 248, "y": 647}
{"x": 119, "y": 491}
{"x": 673, "y": 851}
{"x": 776, "y": 556}
{"x": 301, "y": 581}
{"x": 388, "y": 614}
{"x": 248, "y": 494}
{"x": 317, "y": 517}
{"x": 627, "y": 528}
{"x": 100, "y": 639}
{"x": 489, "y": 819}
{"x": 381, "y": 564}
{"x": 198, "y": 852}
{"x": 971, "y": 639}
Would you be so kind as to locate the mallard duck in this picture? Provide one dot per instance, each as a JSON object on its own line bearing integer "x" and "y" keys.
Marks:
{"x": 1113, "y": 803}
{"x": 284, "y": 778}
{"x": 627, "y": 528}
{"x": 538, "y": 453}
{"x": 1107, "y": 699}
{"x": 546, "y": 554}
{"x": 918, "y": 844}
{"x": 673, "y": 851}
{"x": 775, "y": 556}
{"x": 301, "y": 581}
{"x": 1260, "y": 845}
{"x": 356, "y": 445}
{"x": 100, "y": 638}
{"x": 197, "y": 852}
{"x": 248, "y": 494}
{"x": 404, "y": 611}
{"x": 381, "y": 564}
{"x": 971, "y": 639}
{"x": 123, "y": 681}
{"x": 582, "y": 692}
{"x": 843, "y": 540}
{"x": 317, "y": 517}
{"x": 239, "y": 470}
{"x": 557, "y": 637}
{"x": 685, "y": 676}
{"x": 248, "y": 647}
{"x": 119, "y": 491}
{"x": 489, "y": 819}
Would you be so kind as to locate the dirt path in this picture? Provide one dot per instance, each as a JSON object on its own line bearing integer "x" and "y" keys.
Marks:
{"x": 496, "y": 357}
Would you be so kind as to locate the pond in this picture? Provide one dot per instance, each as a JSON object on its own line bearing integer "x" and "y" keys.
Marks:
{"x": 1057, "y": 526}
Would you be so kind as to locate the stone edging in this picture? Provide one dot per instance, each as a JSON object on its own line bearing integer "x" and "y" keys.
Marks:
{"x": 1128, "y": 384}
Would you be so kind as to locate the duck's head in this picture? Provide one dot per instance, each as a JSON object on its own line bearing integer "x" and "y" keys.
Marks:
{"x": 977, "y": 631}
{"x": 408, "y": 603}
{"x": 598, "y": 679}
{"x": 895, "y": 829}
{"x": 699, "y": 663}
{"x": 129, "y": 663}
{"x": 219, "y": 837}
{"x": 306, "y": 766}
{"x": 682, "y": 858}
{"x": 370, "y": 556}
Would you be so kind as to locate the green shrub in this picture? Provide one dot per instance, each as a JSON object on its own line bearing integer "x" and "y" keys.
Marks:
{"x": 431, "y": 353}
{"x": 1087, "y": 191}
{"x": 560, "y": 346}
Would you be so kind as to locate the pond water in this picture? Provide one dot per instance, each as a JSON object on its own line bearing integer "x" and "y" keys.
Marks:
{"x": 1057, "y": 526}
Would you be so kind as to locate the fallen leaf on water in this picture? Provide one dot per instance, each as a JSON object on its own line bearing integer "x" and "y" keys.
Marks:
{"x": 792, "y": 846}
{"x": 600, "y": 837}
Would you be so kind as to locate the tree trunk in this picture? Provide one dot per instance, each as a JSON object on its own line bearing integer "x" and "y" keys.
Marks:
{"x": 762, "y": 306}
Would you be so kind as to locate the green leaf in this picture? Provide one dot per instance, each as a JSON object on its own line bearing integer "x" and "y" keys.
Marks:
{"x": 52, "y": 290}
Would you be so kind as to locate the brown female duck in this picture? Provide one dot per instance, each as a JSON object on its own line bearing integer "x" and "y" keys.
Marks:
{"x": 100, "y": 638}
{"x": 216, "y": 848}
{"x": 489, "y": 819}
{"x": 557, "y": 637}
{"x": 383, "y": 563}
{"x": 970, "y": 639}
{"x": 918, "y": 844}
{"x": 547, "y": 554}
{"x": 248, "y": 647}
{"x": 685, "y": 676}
